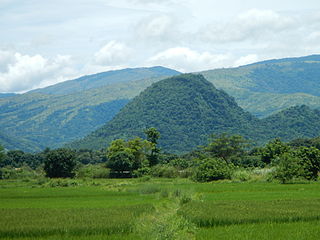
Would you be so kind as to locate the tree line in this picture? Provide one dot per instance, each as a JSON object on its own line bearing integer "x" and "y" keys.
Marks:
{"x": 219, "y": 159}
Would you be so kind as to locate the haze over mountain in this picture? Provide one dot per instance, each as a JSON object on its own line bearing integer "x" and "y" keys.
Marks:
{"x": 187, "y": 108}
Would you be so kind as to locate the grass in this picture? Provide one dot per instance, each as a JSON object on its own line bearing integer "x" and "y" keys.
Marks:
{"x": 26, "y": 222}
{"x": 206, "y": 214}
{"x": 265, "y": 231}
{"x": 158, "y": 209}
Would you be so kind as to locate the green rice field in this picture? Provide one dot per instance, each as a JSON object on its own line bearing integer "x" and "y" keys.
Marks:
{"x": 158, "y": 209}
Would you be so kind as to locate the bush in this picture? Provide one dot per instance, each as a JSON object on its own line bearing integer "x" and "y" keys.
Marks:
{"x": 241, "y": 175}
{"x": 60, "y": 163}
{"x": 140, "y": 172}
{"x": 17, "y": 173}
{"x": 93, "y": 171}
{"x": 211, "y": 169}
{"x": 300, "y": 163}
{"x": 289, "y": 167}
{"x": 164, "y": 170}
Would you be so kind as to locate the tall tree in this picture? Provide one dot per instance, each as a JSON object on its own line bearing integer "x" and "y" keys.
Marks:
{"x": 60, "y": 163}
{"x": 128, "y": 155}
{"x": 226, "y": 147}
{"x": 152, "y": 136}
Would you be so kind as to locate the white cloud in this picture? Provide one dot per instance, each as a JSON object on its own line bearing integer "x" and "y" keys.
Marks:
{"x": 25, "y": 72}
{"x": 112, "y": 54}
{"x": 253, "y": 25}
{"x": 155, "y": 27}
{"x": 188, "y": 60}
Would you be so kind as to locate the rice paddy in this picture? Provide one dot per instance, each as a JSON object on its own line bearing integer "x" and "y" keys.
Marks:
{"x": 158, "y": 209}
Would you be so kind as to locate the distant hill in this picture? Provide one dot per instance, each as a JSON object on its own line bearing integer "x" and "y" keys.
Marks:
{"x": 184, "y": 108}
{"x": 4, "y": 95}
{"x": 267, "y": 87}
{"x": 51, "y": 120}
{"x": 11, "y": 142}
{"x": 51, "y": 116}
{"x": 107, "y": 78}
{"x": 294, "y": 122}
{"x": 187, "y": 108}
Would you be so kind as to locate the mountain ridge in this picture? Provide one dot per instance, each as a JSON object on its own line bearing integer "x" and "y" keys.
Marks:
{"x": 187, "y": 108}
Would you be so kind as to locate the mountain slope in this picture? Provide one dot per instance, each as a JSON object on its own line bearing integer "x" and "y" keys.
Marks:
{"x": 10, "y": 142}
{"x": 5, "y": 95}
{"x": 49, "y": 120}
{"x": 184, "y": 108}
{"x": 187, "y": 108}
{"x": 107, "y": 78}
{"x": 267, "y": 87}
{"x": 294, "y": 122}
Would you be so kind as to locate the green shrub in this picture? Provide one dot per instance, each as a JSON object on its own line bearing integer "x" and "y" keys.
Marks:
{"x": 289, "y": 168}
{"x": 211, "y": 169}
{"x": 93, "y": 171}
{"x": 60, "y": 163}
{"x": 164, "y": 170}
{"x": 241, "y": 175}
{"x": 17, "y": 173}
{"x": 140, "y": 172}
{"x": 302, "y": 163}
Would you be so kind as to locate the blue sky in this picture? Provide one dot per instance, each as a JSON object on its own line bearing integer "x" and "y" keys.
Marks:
{"x": 45, "y": 42}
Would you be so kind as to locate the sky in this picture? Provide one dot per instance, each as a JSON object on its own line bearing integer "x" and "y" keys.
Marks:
{"x": 46, "y": 42}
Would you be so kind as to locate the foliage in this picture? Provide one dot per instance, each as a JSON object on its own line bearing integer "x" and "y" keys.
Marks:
{"x": 85, "y": 156}
{"x": 310, "y": 160}
{"x": 60, "y": 163}
{"x": 273, "y": 150}
{"x": 152, "y": 136}
{"x": 2, "y": 155}
{"x": 23, "y": 172}
{"x": 127, "y": 156}
{"x": 265, "y": 88}
{"x": 289, "y": 168}
{"x": 226, "y": 147}
{"x": 18, "y": 158}
{"x": 187, "y": 108}
{"x": 211, "y": 169}
{"x": 92, "y": 171}
{"x": 164, "y": 170}
{"x": 184, "y": 109}
{"x": 299, "y": 163}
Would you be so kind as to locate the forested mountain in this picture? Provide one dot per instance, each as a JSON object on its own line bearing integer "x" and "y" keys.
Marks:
{"x": 294, "y": 122}
{"x": 51, "y": 120}
{"x": 4, "y": 95}
{"x": 107, "y": 78}
{"x": 184, "y": 109}
{"x": 52, "y": 116}
{"x": 11, "y": 142}
{"x": 187, "y": 108}
{"x": 267, "y": 87}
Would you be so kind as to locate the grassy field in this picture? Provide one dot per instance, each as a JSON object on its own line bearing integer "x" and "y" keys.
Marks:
{"x": 157, "y": 209}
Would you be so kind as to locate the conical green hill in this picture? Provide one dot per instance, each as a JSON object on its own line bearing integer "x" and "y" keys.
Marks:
{"x": 186, "y": 109}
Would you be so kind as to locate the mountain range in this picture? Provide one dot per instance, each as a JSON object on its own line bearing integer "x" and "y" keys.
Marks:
{"x": 62, "y": 113}
{"x": 187, "y": 108}
{"x": 45, "y": 119}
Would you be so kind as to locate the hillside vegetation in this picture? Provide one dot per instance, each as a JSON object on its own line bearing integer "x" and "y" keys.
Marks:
{"x": 107, "y": 78}
{"x": 267, "y": 87}
{"x": 186, "y": 109}
{"x": 53, "y": 120}
{"x": 52, "y": 116}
